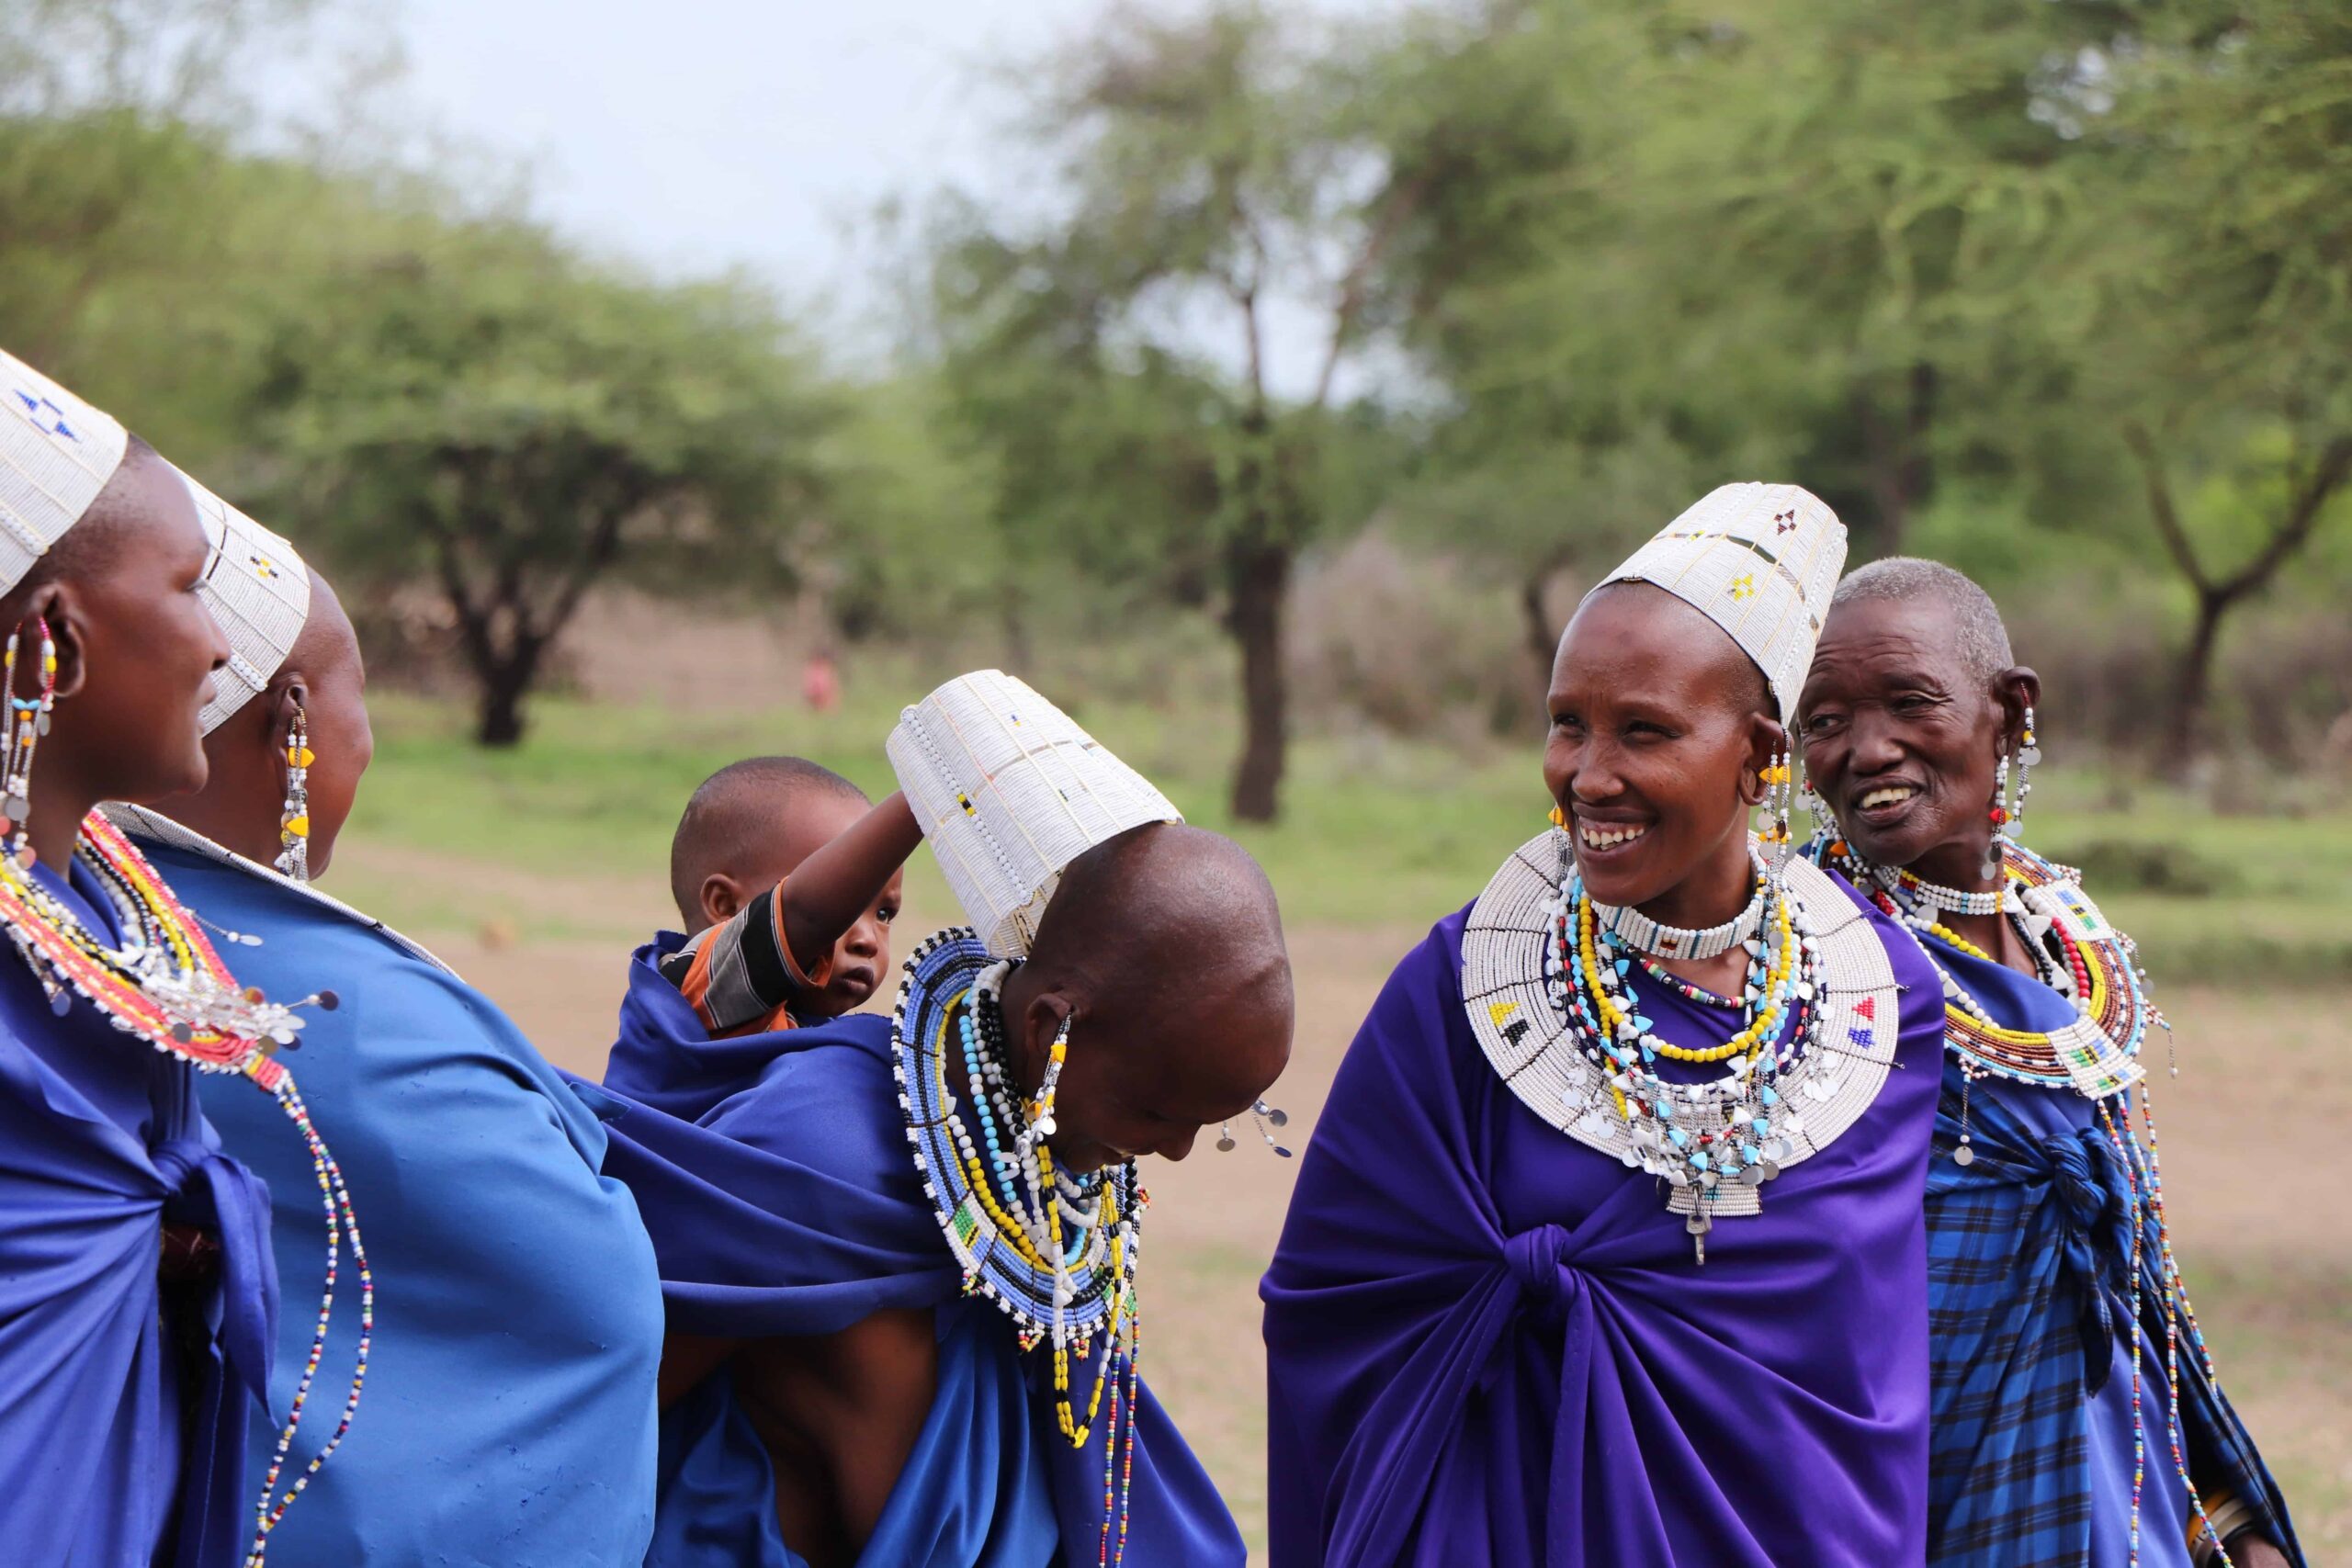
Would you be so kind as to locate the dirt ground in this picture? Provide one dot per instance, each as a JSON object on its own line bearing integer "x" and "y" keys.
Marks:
{"x": 2261, "y": 1088}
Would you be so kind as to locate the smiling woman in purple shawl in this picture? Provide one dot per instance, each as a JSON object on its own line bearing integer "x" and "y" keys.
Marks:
{"x": 1608, "y": 1247}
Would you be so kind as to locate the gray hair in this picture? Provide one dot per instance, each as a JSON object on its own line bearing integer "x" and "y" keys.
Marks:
{"x": 1983, "y": 642}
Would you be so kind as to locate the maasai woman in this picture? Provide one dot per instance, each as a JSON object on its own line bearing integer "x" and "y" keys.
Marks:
{"x": 2052, "y": 1444}
{"x": 510, "y": 1412}
{"x": 926, "y": 1281}
{"x": 126, "y": 1389}
{"x": 1607, "y": 1247}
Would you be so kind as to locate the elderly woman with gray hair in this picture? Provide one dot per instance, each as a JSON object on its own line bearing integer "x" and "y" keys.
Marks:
{"x": 2049, "y": 1261}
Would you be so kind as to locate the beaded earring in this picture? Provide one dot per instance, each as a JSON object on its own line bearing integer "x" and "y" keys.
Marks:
{"x": 1780, "y": 800}
{"x": 1266, "y": 1116}
{"x": 294, "y": 818}
{"x": 2008, "y": 810}
{"x": 27, "y": 721}
{"x": 1041, "y": 1109}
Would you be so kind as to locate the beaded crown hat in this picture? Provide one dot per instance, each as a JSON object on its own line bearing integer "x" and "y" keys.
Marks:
{"x": 56, "y": 454}
{"x": 1009, "y": 790}
{"x": 259, "y": 591}
{"x": 1761, "y": 561}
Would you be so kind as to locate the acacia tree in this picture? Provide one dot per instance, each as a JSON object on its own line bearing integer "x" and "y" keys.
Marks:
{"x": 2225, "y": 343}
{"x": 1214, "y": 181}
{"x": 483, "y": 410}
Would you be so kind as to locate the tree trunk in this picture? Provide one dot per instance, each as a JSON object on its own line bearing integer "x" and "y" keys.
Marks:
{"x": 1542, "y": 640}
{"x": 1898, "y": 470}
{"x": 2193, "y": 691}
{"x": 500, "y": 715}
{"x": 1257, "y": 578}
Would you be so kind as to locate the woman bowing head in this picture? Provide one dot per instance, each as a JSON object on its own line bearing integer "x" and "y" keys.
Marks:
{"x": 1608, "y": 1247}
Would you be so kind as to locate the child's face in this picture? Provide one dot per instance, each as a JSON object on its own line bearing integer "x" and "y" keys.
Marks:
{"x": 861, "y": 959}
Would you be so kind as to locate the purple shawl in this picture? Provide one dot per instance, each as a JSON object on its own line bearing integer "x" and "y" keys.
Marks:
{"x": 1487, "y": 1343}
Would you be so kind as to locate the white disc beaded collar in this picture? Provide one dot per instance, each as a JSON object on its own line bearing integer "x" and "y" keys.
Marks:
{"x": 1803, "y": 1086}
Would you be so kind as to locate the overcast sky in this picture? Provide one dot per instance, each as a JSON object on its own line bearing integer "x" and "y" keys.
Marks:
{"x": 699, "y": 134}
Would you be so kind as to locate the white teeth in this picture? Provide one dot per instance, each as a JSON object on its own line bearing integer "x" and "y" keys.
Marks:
{"x": 1888, "y": 796}
{"x": 1609, "y": 837}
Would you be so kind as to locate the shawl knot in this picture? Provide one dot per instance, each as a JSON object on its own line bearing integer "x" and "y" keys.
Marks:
{"x": 2091, "y": 1199}
{"x": 1538, "y": 1261}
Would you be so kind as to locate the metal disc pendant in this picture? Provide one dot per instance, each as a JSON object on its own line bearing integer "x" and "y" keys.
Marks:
{"x": 1224, "y": 1144}
{"x": 1963, "y": 1154}
{"x": 1278, "y": 1116}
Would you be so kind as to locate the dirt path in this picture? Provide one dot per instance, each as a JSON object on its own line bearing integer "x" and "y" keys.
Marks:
{"x": 2272, "y": 1267}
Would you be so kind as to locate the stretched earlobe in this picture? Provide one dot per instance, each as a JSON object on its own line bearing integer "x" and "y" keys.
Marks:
{"x": 63, "y": 617}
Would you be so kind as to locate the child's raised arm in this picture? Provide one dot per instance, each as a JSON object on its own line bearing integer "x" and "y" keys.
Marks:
{"x": 830, "y": 891}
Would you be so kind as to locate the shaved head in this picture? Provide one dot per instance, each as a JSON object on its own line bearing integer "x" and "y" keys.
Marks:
{"x": 1980, "y": 637}
{"x": 740, "y": 823}
{"x": 328, "y": 644}
{"x": 1165, "y": 944}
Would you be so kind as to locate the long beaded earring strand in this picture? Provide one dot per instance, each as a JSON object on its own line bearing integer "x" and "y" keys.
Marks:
{"x": 294, "y": 816}
{"x": 27, "y": 721}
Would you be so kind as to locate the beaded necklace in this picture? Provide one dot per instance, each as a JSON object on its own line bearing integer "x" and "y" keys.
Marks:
{"x": 166, "y": 985}
{"x": 1643, "y": 934}
{"x": 1698, "y": 1136}
{"x": 2077, "y": 953}
{"x": 1056, "y": 1253}
{"x": 1553, "y": 999}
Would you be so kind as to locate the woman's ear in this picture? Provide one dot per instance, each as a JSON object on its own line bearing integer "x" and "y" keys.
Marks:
{"x": 286, "y": 699}
{"x": 58, "y": 607}
{"x": 1766, "y": 739}
{"x": 1041, "y": 1022}
{"x": 2015, "y": 689}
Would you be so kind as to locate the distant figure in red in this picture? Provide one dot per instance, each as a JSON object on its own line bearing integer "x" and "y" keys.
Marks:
{"x": 821, "y": 682}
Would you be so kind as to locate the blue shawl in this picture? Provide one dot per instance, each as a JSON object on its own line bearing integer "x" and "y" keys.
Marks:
{"x": 509, "y": 1414}
{"x": 101, "y": 1142}
{"x": 783, "y": 1199}
{"x": 2029, "y": 1282}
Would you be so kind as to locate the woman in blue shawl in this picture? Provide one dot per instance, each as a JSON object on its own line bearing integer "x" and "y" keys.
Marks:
{"x": 126, "y": 1388}
{"x": 2047, "y": 1251}
{"x": 1569, "y": 1278}
{"x": 777, "y": 1180}
{"x": 509, "y": 1417}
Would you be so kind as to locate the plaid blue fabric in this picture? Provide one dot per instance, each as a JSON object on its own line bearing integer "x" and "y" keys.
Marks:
{"x": 2029, "y": 1282}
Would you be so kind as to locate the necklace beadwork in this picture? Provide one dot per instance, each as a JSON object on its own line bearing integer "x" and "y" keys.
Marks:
{"x": 1552, "y": 998}
{"x": 1645, "y": 935}
{"x": 2075, "y": 952}
{"x": 166, "y": 985}
{"x": 1056, "y": 1253}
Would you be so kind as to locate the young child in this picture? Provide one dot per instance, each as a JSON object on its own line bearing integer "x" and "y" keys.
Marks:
{"x": 786, "y": 879}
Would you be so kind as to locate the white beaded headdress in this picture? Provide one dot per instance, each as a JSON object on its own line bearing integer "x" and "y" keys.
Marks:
{"x": 1761, "y": 561}
{"x": 259, "y": 591}
{"x": 1009, "y": 790}
{"x": 56, "y": 454}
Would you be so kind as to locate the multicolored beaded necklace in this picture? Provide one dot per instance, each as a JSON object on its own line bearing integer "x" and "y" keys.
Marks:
{"x": 2075, "y": 952}
{"x": 2078, "y": 954}
{"x": 1698, "y": 1136}
{"x": 166, "y": 985}
{"x": 1056, "y": 1253}
{"x": 1551, "y": 999}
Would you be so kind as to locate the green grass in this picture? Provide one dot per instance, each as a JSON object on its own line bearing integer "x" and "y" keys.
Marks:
{"x": 1374, "y": 831}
